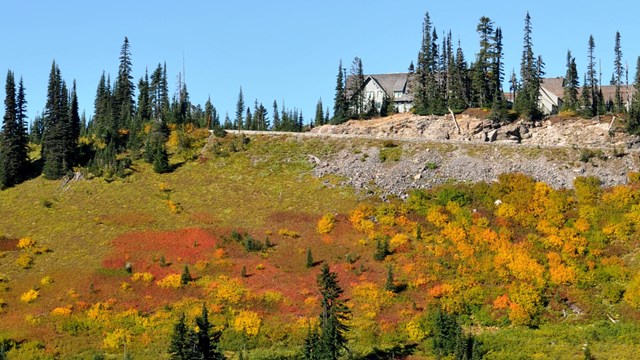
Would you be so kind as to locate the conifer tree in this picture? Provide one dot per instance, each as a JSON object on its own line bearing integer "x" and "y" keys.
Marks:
{"x": 239, "y": 111}
{"x": 276, "y": 117}
{"x": 570, "y": 85}
{"x": 617, "y": 73}
{"x": 526, "y": 101}
{"x": 482, "y": 84}
{"x": 355, "y": 90}
{"x": 633, "y": 117}
{"x": 58, "y": 145}
{"x": 389, "y": 284}
{"x": 309, "y": 261}
{"x": 591, "y": 79}
{"x": 248, "y": 120}
{"x": 185, "y": 277}
{"x": 13, "y": 139}
{"x": 124, "y": 90}
{"x": 333, "y": 317}
{"x": 74, "y": 115}
{"x": 319, "y": 119}
{"x": 340, "y": 104}
{"x": 145, "y": 108}
{"x": 159, "y": 92}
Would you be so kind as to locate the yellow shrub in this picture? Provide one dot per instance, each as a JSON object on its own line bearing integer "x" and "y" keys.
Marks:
{"x": 632, "y": 293}
{"x": 61, "y": 311}
{"x": 398, "y": 240}
{"x": 415, "y": 331}
{"x": 437, "y": 217}
{"x": 260, "y": 267}
{"x": 164, "y": 187}
{"x": 288, "y": 233}
{"x": 359, "y": 218}
{"x": 171, "y": 281}
{"x": 326, "y": 224}
{"x": 145, "y": 277}
{"x": 117, "y": 339}
{"x": 248, "y": 322}
{"x": 26, "y": 243}
{"x": 30, "y": 296}
{"x": 25, "y": 260}
{"x": 46, "y": 280}
{"x": 3, "y": 305}
{"x": 174, "y": 207}
{"x": 125, "y": 285}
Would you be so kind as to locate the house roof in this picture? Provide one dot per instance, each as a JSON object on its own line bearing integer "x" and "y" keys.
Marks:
{"x": 390, "y": 83}
{"x": 554, "y": 86}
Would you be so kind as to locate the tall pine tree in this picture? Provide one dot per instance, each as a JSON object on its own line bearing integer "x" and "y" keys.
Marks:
{"x": 239, "y": 120}
{"x": 340, "y": 104}
{"x": 570, "y": 85}
{"x": 633, "y": 118}
{"x": 124, "y": 90}
{"x": 59, "y": 144}
{"x": 13, "y": 139}
{"x": 618, "y": 71}
{"x": 526, "y": 101}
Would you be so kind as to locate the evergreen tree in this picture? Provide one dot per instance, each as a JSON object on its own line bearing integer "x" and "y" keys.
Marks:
{"x": 633, "y": 118}
{"x": 58, "y": 145}
{"x": 103, "y": 121}
{"x": 276, "y": 117}
{"x": 355, "y": 89}
{"x": 248, "y": 120}
{"x": 340, "y": 105}
{"x": 333, "y": 316}
{"x": 309, "y": 262}
{"x": 124, "y": 90}
{"x": 482, "y": 84}
{"x": 145, "y": 106}
{"x": 570, "y": 85}
{"x": 36, "y": 131}
{"x": 14, "y": 157}
{"x": 319, "y": 119}
{"x": 459, "y": 94}
{"x": 188, "y": 344}
{"x": 498, "y": 106}
{"x": 155, "y": 151}
{"x": 74, "y": 115}
{"x": 591, "y": 79}
{"x": 526, "y": 101}
{"x": 618, "y": 72}
{"x": 389, "y": 284}
{"x": 211, "y": 117}
{"x": 311, "y": 350}
{"x": 159, "y": 92}
{"x": 179, "y": 346}
{"x": 185, "y": 277}
{"x": 239, "y": 111}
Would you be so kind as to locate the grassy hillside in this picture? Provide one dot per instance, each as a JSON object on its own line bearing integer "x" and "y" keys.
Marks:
{"x": 545, "y": 274}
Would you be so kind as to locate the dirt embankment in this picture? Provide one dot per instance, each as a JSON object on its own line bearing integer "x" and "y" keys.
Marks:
{"x": 437, "y": 150}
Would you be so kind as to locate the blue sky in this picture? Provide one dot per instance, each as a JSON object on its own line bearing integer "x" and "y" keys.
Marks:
{"x": 284, "y": 50}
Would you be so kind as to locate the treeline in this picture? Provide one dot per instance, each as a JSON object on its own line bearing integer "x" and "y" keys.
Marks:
{"x": 443, "y": 80}
{"x": 128, "y": 122}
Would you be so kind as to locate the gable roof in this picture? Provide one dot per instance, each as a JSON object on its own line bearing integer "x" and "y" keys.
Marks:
{"x": 390, "y": 83}
{"x": 554, "y": 86}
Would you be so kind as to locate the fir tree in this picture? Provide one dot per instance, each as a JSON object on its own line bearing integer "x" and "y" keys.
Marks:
{"x": 155, "y": 151}
{"x": 617, "y": 73}
{"x": 103, "y": 123}
{"x": 355, "y": 89}
{"x": 526, "y": 101}
{"x": 389, "y": 284}
{"x": 145, "y": 107}
{"x": 276, "y": 117}
{"x": 74, "y": 115}
{"x": 319, "y": 119}
{"x": 239, "y": 111}
{"x": 309, "y": 261}
{"x": 633, "y": 117}
{"x": 13, "y": 139}
{"x": 58, "y": 145}
{"x": 482, "y": 84}
{"x": 570, "y": 85}
{"x": 333, "y": 317}
{"x": 185, "y": 277}
{"x": 124, "y": 90}
{"x": 340, "y": 104}
{"x": 179, "y": 347}
{"x": 591, "y": 79}
{"x": 159, "y": 92}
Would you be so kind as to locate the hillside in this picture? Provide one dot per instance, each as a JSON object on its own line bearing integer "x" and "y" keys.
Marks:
{"x": 522, "y": 266}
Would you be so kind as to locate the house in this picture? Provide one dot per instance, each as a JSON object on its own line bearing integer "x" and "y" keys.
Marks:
{"x": 377, "y": 87}
{"x": 552, "y": 92}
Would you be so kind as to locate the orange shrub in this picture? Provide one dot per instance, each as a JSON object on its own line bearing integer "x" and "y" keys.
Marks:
{"x": 26, "y": 243}
{"x": 501, "y": 302}
{"x": 360, "y": 218}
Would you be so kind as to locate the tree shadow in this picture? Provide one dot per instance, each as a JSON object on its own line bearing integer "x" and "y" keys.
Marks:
{"x": 396, "y": 352}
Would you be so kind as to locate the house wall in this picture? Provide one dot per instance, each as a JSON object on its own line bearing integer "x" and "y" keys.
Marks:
{"x": 375, "y": 92}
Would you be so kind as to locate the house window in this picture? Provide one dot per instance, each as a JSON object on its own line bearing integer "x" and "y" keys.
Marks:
{"x": 397, "y": 94}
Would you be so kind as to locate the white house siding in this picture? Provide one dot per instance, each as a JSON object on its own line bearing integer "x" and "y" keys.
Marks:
{"x": 373, "y": 91}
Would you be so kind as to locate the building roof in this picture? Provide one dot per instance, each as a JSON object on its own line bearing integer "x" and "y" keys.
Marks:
{"x": 390, "y": 83}
{"x": 554, "y": 86}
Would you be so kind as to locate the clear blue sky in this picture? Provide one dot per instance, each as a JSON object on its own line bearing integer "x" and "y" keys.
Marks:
{"x": 284, "y": 50}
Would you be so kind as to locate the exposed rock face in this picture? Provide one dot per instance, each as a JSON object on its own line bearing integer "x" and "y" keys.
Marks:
{"x": 551, "y": 151}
